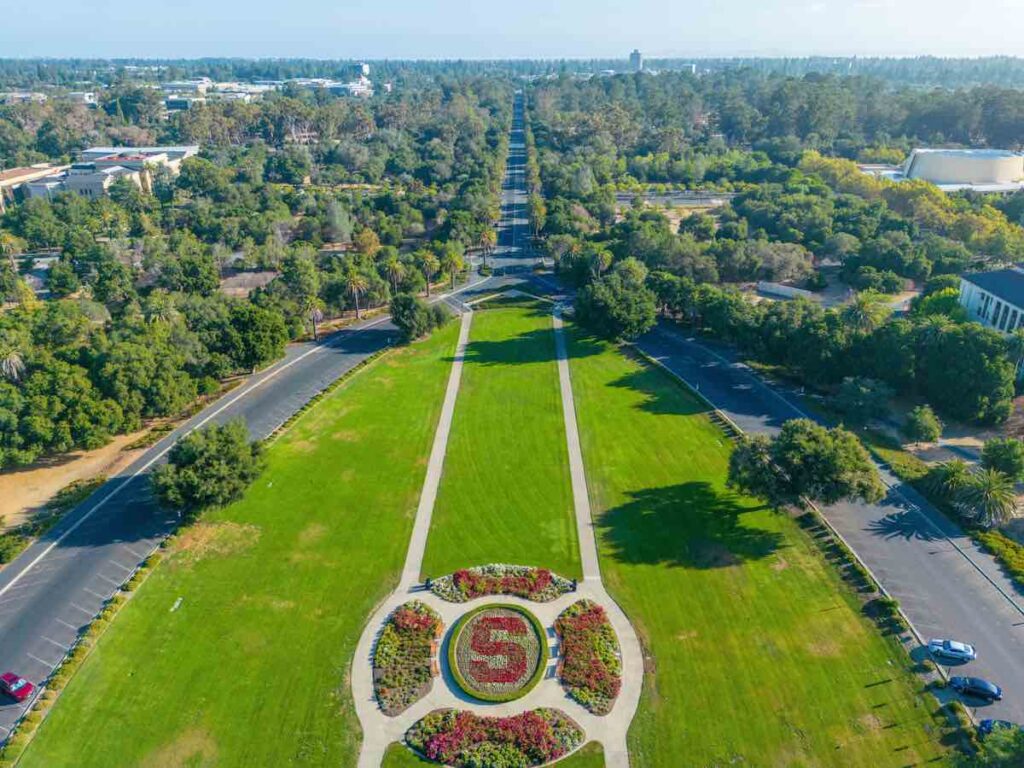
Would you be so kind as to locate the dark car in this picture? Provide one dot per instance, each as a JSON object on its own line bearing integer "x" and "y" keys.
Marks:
{"x": 18, "y": 688}
{"x": 976, "y": 688}
{"x": 985, "y": 727}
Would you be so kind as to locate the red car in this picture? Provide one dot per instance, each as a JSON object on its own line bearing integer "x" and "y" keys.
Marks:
{"x": 18, "y": 688}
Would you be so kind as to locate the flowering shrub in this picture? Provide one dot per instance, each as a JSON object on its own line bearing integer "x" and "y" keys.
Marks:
{"x": 466, "y": 740}
{"x": 497, "y": 652}
{"x": 537, "y": 584}
{"x": 591, "y": 669}
{"x": 401, "y": 659}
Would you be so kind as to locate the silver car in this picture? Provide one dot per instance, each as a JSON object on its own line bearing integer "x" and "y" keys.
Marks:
{"x": 952, "y": 650}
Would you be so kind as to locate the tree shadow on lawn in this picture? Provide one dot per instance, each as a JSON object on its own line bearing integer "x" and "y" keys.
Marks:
{"x": 536, "y": 346}
{"x": 690, "y": 525}
{"x": 663, "y": 394}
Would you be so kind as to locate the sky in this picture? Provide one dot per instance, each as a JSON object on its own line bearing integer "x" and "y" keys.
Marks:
{"x": 483, "y": 29}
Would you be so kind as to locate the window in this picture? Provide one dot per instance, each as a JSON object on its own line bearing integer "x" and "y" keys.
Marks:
{"x": 1013, "y": 321}
{"x": 1002, "y": 317}
{"x": 995, "y": 313}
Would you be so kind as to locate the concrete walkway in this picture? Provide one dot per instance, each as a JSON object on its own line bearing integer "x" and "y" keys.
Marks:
{"x": 379, "y": 730}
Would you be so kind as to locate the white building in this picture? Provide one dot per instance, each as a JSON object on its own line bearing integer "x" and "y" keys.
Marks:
{"x": 83, "y": 179}
{"x": 994, "y": 299}
{"x": 636, "y": 61}
{"x": 22, "y": 97}
{"x": 965, "y": 166}
{"x": 169, "y": 156}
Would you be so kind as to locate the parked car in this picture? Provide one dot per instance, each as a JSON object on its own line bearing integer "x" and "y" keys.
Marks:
{"x": 976, "y": 688}
{"x": 952, "y": 649}
{"x": 985, "y": 727}
{"x": 18, "y": 688}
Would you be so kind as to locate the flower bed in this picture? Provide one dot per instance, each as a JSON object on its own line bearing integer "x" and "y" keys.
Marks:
{"x": 466, "y": 740}
{"x": 537, "y": 584}
{"x": 401, "y": 659}
{"x": 590, "y": 667}
{"x": 497, "y": 652}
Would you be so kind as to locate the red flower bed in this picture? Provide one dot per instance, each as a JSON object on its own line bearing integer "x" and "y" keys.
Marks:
{"x": 591, "y": 669}
{"x": 537, "y": 584}
{"x": 497, "y": 653}
{"x": 401, "y": 658}
{"x": 465, "y": 739}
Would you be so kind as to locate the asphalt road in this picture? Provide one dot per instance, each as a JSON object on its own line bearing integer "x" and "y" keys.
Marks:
{"x": 945, "y": 584}
{"x": 55, "y": 588}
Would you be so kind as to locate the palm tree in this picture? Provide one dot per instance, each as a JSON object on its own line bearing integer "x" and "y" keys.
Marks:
{"x": 867, "y": 312}
{"x": 488, "y": 241}
{"x": 12, "y": 364}
{"x": 356, "y": 284}
{"x": 452, "y": 263}
{"x": 10, "y": 245}
{"x": 395, "y": 270}
{"x": 430, "y": 265}
{"x": 990, "y": 497}
{"x": 949, "y": 478}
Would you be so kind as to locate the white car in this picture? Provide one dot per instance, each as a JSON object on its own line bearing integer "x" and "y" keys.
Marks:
{"x": 952, "y": 649}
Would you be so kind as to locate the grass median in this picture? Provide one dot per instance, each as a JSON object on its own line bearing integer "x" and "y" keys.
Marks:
{"x": 757, "y": 653}
{"x": 252, "y": 667}
{"x": 505, "y": 495}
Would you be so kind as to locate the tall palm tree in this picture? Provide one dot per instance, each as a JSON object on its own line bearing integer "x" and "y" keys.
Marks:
{"x": 867, "y": 312}
{"x": 430, "y": 266}
{"x": 356, "y": 284}
{"x": 12, "y": 364}
{"x": 452, "y": 263}
{"x": 990, "y": 497}
{"x": 396, "y": 271}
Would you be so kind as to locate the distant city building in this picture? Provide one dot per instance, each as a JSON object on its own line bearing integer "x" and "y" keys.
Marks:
{"x": 84, "y": 179}
{"x": 636, "y": 61}
{"x": 199, "y": 85}
{"x": 953, "y": 170}
{"x": 364, "y": 69}
{"x": 88, "y": 98}
{"x": 183, "y": 102}
{"x": 169, "y": 156}
{"x": 994, "y": 299}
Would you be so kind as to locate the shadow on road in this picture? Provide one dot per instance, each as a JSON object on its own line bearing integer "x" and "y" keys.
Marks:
{"x": 903, "y": 524}
{"x": 690, "y": 525}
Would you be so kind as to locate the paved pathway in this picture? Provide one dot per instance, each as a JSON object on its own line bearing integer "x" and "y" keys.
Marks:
{"x": 379, "y": 731}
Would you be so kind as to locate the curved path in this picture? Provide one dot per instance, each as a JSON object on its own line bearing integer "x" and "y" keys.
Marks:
{"x": 379, "y": 730}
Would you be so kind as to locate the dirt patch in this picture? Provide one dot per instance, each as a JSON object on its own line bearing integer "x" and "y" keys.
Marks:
{"x": 689, "y": 634}
{"x": 347, "y": 436}
{"x": 194, "y": 748}
{"x": 870, "y": 722}
{"x": 780, "y": 564}
{"x": 304, "y": 446}
{"x": 312, "y": 533}
{"x": 213, "y": 540}
{"x": 826, "y": 647}
{"x": 26, "y": 491}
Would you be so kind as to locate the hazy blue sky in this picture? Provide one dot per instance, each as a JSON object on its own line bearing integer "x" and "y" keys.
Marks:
{"x": 483, "y": 29}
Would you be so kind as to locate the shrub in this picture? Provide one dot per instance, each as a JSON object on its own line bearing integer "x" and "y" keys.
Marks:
{"x": 401, "y": 658}
{"x": 414, "y": 318}
{"x": 466, "y": 740}
{"x": 1004, "y": 455}
{"x": 923, "y": 426}
{"x": 591, "y": 669}
{"x": 527, "y": 582}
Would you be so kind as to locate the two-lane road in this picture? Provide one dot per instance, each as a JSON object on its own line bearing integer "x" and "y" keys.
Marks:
{"x": 945, "y": 583}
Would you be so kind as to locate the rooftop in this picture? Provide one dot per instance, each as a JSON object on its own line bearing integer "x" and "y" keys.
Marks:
{"x": 966, "y": 152}
{"x": 1006, "y": 284}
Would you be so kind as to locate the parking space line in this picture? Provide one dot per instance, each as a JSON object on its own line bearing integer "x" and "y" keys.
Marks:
{"x": 50, "y": 664}
{"x": 95, "y": 594}
{"x": 110, "y": 580}
{"x": 62, "y": 646}
{"x": 83, "y": 610}
{"x": 67, "y": 624}
{"x": 119, "y": 565}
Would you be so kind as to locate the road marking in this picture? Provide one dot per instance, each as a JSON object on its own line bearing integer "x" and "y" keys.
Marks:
{"x": 62, "y": 646}
{"x": 49, "y": 664}
{"x": 133, "y": 553}
{"x": 86, "y": 611}
{"x": 67, "y": 624}
{"x": 104, "y": 598}
{"x": 119, "y": 565}
{"x": 110, "y": 580}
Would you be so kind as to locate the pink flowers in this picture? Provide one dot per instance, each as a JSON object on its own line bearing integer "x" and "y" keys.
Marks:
{"x": 473, "y": 583}
{"x": 591, "y": 669}
{"x": 459, "y": 738}
{"x": 401, "y": 658}
{"x": 510, "y": 654}
{"x": 497, "y": 653}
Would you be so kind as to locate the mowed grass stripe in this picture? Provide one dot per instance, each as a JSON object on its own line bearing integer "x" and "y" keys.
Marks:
{"x": 505, "y": 494}
{"x": 252, "y": 669}
{"x": 758, "y": 654}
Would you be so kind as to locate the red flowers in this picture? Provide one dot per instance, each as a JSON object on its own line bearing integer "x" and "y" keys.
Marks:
{"x": 473, "y": 583}
{"x": 401, "y": 658}
{"x": 459, "y": 738}
{"x": 510, "y": 656}
{"x": 591, "y": 669}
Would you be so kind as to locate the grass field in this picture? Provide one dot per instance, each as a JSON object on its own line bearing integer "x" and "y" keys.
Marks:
{"x": 759, "y": 655}
{"x": 505, "y": 495}
{"x": 590, "y": 756}
{"x": 252, "y": 669}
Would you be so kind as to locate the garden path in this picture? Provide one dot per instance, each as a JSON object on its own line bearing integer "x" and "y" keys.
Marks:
{"x": 379, "y": 730}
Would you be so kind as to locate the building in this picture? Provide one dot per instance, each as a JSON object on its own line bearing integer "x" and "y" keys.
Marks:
{"x": 636, "y": 61}
{"x": 13, "y": 180}
{"x": 87, "y": 98}
{"x": 22, "y": 97}
{"x": 954, "y": 170}
{"x": 197, "y": 86}
{"x": 169, "y": 156}
{"x": 182, "y": 103}
{"x": 364, "y": 69}
{"x": 85, "y": 179}
{"x": 994, "y": 299}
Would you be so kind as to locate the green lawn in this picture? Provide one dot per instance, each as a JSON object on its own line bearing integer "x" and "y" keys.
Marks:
{"x": 252, "y": 669}
{"x": 759, "y": 654}
{"x": 399, "y": 756}
{"x": 505, "y": 495}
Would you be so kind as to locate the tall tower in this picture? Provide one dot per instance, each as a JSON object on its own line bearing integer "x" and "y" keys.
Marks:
{"x": 636, "y": 61}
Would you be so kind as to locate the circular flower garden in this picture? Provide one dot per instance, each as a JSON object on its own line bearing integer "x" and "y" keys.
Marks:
{"x": 497, "y": 652}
